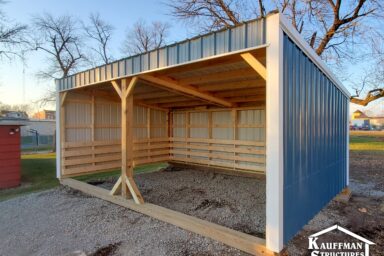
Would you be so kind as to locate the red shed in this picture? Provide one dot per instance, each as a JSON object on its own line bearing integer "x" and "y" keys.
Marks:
{"x": 10, "y": 153}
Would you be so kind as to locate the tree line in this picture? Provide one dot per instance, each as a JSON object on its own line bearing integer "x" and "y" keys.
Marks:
{"x": 340, "y": 32}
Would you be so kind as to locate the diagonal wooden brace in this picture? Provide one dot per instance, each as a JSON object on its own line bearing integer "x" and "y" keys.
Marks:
{"x": 116, "y": 188}
{"x": 132, "y": 188}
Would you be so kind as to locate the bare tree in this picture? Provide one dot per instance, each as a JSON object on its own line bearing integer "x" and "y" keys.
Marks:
{"x": 210, "y": 15}
{"x": 143, "y": 37}
{"x": 12, "y": 36}
{"x": 329, "y": 23}
{"x": 331, "y": 27}
{"x": 100, "y": 32}
{"x": 27, "y": 108}
{"x": 58, "y": 37}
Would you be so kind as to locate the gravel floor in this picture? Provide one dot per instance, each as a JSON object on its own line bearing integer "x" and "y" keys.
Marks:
{"x": 231, "y": 201}
{"x": 65, "y": 222}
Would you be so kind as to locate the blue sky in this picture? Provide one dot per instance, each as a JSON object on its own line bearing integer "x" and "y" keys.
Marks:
{"x": 121, "y": 14}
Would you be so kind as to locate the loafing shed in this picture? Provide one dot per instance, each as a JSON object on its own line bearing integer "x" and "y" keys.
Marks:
{"x": 252, "y": 99}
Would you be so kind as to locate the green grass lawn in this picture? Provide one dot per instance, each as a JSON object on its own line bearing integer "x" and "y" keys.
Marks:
{"x": 367, "y": 141}
{"x": 38, "y": 172}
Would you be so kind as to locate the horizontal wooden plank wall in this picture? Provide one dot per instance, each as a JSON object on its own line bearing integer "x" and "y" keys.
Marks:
{"x": 88, "y": 157}
{"x": 93, "y": 130}
{"x": 232, "y": 139}
{"x": 225, "y": 138}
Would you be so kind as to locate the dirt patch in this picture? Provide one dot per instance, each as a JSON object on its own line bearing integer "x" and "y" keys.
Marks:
{"x": 106, "y": 250}
{"x": 207, "y": 203}
{"x": 366, "y": 168}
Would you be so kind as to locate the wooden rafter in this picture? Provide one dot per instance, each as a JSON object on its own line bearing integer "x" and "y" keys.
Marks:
{"x": 255, "y": 64}
{"x": 182, "y": 104}
{"x": 174, "y": 98}
{"x": 144, "y": 104}
{"x": 219, "y": 76}
{"x": 185, "y": 89}
{"x": 224, "y": 86}
{"x": 236, "y": 93}
{"x": 152, "y": 95}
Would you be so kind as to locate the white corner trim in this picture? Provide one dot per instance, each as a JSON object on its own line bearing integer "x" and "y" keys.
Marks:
{"x": 347, "y": 160}
{"x": 58, "y": 145}
{"x": 274, "y": 136}
{"x": 304, "y": 46}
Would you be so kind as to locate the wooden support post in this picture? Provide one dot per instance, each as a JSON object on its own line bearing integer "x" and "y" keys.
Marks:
{"x": 124, "y": 128}
{"x": 93, "y": 126}
{"x": 234, "y": 135}
{"x": 170, "y": 124}
{"x": 129, "y": 134}
{"x": 210, "y": 128}
{"x": 170, "y": 129}
{"x": 149, "y": 131}
{"x": 62, "y": 97}
{"x": 126, "y": 182}
{"x": 187, "y": 132}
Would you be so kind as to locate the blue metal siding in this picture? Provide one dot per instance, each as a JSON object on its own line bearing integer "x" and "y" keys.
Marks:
{"x": 246, "y": 35}
{"x": 315, "y": 130}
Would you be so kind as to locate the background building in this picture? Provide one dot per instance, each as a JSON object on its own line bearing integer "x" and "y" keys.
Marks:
{"x": 36, "y": 134}
{"x": 361, "y": 121}
{"x": 45, "y": 115}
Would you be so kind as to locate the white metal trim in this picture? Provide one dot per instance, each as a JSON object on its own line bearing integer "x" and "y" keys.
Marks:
{"x": 347, "y": 162}
{"x": 274, "y": 136}
{"x": 58, "y": 144}
{"x": 304, "y": 46}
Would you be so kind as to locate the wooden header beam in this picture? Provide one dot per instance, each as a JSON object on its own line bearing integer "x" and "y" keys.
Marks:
{"x": 186, "y": 90}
